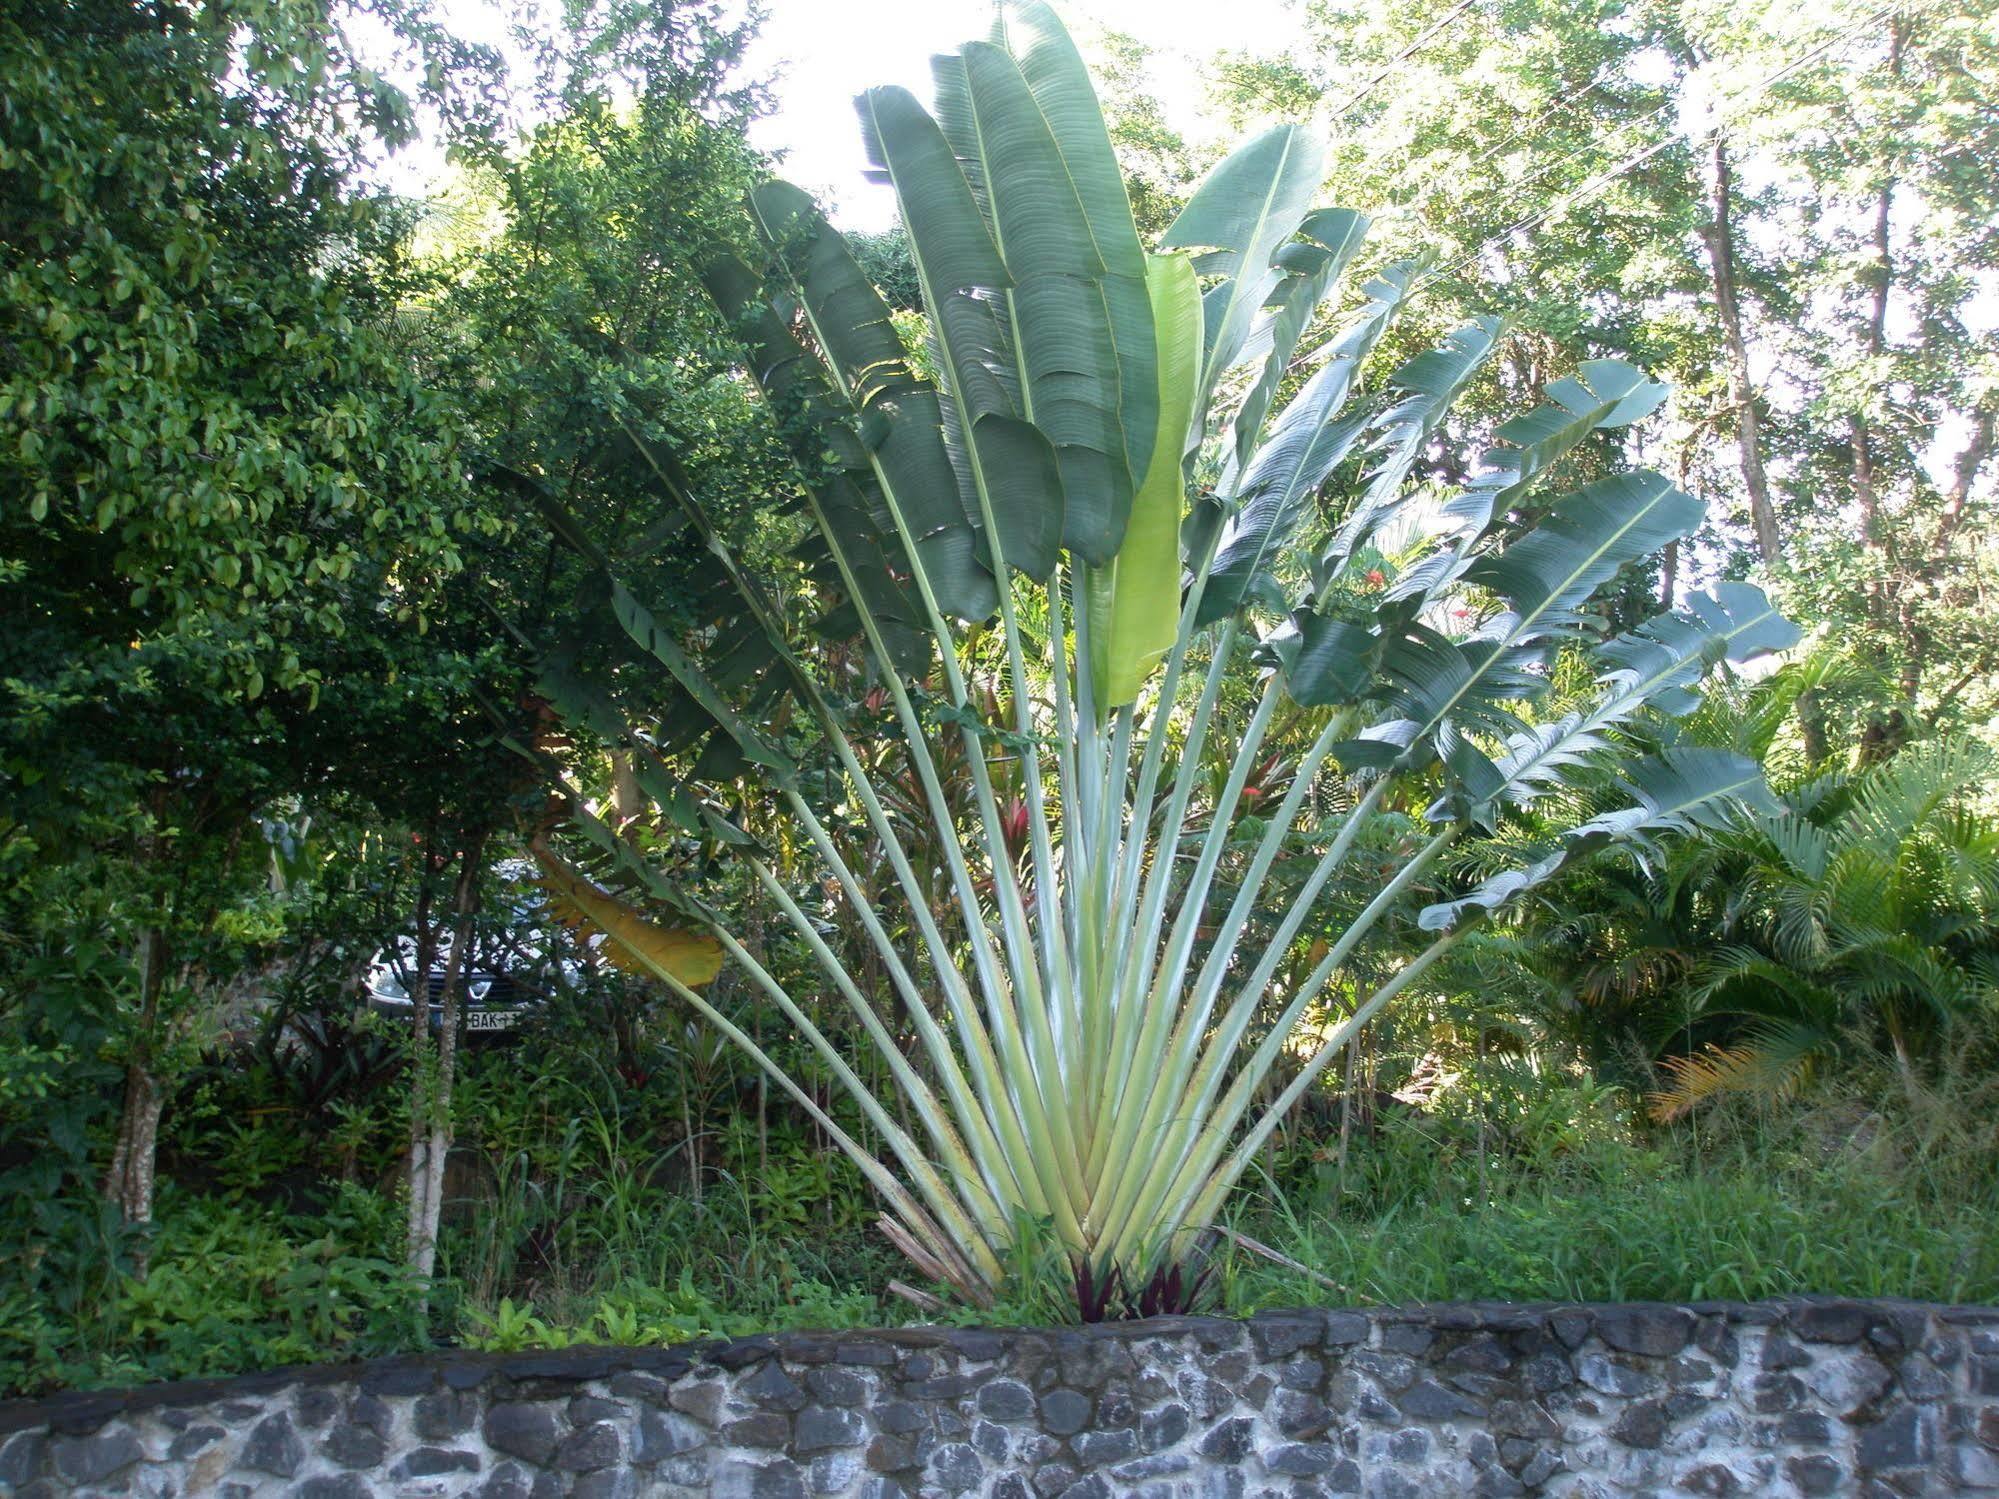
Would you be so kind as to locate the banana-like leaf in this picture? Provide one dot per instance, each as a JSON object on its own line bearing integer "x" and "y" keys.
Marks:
{"x": 1672, "y": 792}
{"x": 1060, "y": 321}
{"x": 1604, "y": 393}
{"x": 1546, "y": 575}
{"x": 1311, "y": 271}
{"x": 1423, "y": 392}
{"x": 633, "y": 943}
{"x": 1024, "y": 486}
{"x": 1055, "y": 74}
{"x": 1242, "y": 213}
{"x": 1312, "y": 435}
{"x": 1652, "y": 666}
{"x": 895, "y": 444}
{"x": 1135, "y": 602}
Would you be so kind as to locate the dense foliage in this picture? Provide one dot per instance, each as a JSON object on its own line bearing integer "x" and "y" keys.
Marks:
{"x": 307, "y": 493}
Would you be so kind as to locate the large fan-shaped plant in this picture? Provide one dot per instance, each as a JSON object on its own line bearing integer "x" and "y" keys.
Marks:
{"x": 1100, "y": 478}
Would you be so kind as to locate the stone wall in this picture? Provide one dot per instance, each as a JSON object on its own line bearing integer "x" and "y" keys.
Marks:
{"x": 1802, "y": 1398}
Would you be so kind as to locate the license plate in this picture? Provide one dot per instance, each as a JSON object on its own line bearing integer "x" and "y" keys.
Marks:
{"x": 490, "y": 1020}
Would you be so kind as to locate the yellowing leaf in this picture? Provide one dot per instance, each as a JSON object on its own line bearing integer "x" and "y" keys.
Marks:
{"x": 636, "y": 945}
{"x": 1135, "y": 601}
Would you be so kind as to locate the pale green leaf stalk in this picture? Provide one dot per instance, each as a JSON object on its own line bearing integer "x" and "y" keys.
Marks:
{"x": 1081, "y": 1006}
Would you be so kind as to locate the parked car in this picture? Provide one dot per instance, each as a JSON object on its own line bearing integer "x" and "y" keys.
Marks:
{"x": 493, "y": 999}
{"x": 520, "y": 956}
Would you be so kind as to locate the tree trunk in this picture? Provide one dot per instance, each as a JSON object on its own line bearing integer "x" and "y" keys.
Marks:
{"x": 1720, "y": 237}
{"x": 431, "y": 1125}
{"x": 129, "y": 1181}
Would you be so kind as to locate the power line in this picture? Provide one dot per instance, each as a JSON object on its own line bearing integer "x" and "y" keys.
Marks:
{"x": 1401, "y": 57}
{"x": 1604, "y": 179}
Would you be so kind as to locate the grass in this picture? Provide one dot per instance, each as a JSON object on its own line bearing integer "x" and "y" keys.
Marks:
{"x": 1528, "y": 1189}
{"x": 1860, "y": 1194}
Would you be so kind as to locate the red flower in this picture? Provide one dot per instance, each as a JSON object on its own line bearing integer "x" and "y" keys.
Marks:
{"x": 1013, "y": 820}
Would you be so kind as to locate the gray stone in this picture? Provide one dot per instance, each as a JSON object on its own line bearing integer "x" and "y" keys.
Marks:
{"x": 772, "y": 1388}
{"x": 587, "y": 1409}
{"x": 1779, "y": 1352}
{"x": 505, "y": 1482}
{"x": 1711, "y": 1478}
{"x": 1395, "y": 1372}
{"x": 1299, "y": 1415}
{"x": 766, "y": 1429}
{"x": 1539, "y": 1468}
{"x": 335, "y": 1486}
{"x": 1848, "y": 1384}
{"x": 819, "y": 1427}
{"x": 273, "y": 1447}
{"x": 606, "y": 1483}
{"x": 315, "y": 1405}
{"x": 439, "y": 1418}
{"x": 589, "y": 1448}
{"x": 521, "y": 1430}
{"x": 1808, "y": 1428}
{"x": 1164, "y": 1427}
{"x": 1278, "y": 1335}
{"x": 1815, "y": 1475}
{"x": 832, "y": 1385}
{"x": 663, "y": 1434}
{"x": 1344, "y": 1328}
{"x": 354, "y": 1446}
{"x": 1299, "y": 1459}
{"x": 1096, "y": 1448}
{"x": 1969, "y": 1467}
{"x": 1610, "y": 1376}
{"x": 194, "y": 1439}
{"x": 1831, "y": 1322}
{"x": 21, "y": 1457}
{"x": 1901, "y": 1439}
{"x": 91, "y": 1459}
{"x": 366, "y": 1410}
{"x": 1229, "y": 1442}
{"x": 1427, "y": 1400}
{"x": 1656, "y": 1331}
{"x": 1522, "y": 1418}
{"x": 889, "y": 1454}
{"x": 1643, "y": 1425}
{"x": 1065, "y": 1412}
{"x": 954, "y": 1468}
{"x": 701, "y": 1400}
{"x": 834, "y": 1472}
{"x": 1006, "y": 1400}
{"x": 427, "y": 1462}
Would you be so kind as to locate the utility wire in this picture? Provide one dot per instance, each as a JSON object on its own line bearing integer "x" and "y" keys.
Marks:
{"x": 1422, "y": 41}
{"x": 1605, "y": 178}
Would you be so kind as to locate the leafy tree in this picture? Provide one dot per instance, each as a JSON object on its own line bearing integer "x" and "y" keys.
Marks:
{"x": 1776, "y": 208}
{"x": 214, "y": 460}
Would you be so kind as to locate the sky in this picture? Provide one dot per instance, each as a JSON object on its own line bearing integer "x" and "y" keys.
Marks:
{"x": 824, "y": 52}
{"x": 820, "y": 53}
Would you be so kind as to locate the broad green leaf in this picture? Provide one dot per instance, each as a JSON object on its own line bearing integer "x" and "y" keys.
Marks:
{"x": 1672, "y": 792}
{"x": 1135, "y": 602}
{"x": 1421, "y": 393}
{"x": 1024, "y": 485}
{"x": 1240, "y": 215}
{"x": 1311, "y": 273}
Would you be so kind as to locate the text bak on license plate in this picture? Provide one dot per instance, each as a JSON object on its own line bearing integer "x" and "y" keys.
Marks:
{"x": 490, "y": 1020}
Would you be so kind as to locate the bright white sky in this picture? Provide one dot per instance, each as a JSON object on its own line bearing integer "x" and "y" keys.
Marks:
{"x": 824, "y": 52}
{"x": 821, "y": 53}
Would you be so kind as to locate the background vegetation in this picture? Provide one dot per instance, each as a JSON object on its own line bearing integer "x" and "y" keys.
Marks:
{"x": 279, "y": 597}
